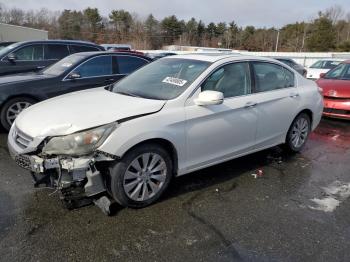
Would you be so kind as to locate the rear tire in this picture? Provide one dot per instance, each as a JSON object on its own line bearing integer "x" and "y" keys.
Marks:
{"x": 298, "y": 133}
{"x": 141, "y": 176}
{"x": 12, "y": 108}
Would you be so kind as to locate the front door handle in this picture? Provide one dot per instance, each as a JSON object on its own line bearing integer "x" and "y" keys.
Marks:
{"x": 293, "y": 95}
{"x": 250, "y": 104}
{"x": 110, "y": 80}
{"x": 40, "y": 67}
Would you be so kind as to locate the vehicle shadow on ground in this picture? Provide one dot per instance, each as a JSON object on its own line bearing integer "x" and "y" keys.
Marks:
{"x": 221, "y": 173}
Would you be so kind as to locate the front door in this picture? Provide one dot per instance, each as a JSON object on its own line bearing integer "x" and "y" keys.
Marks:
{"x": 217, "y": 133}
{"x": 27, "y": 59}
{"x": 95, "y": 72}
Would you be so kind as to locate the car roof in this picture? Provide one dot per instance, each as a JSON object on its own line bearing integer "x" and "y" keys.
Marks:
{"x": 331, "y": 59}
{"x": 282, "y": 58}
{"x": 95, "y": 53}
{"x": 58, "y": 41}
{"x": 214, "y": 57}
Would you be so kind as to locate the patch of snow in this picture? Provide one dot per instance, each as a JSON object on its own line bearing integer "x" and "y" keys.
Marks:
{"x": 337, "y": 192}
{"x": 328, "y": 204}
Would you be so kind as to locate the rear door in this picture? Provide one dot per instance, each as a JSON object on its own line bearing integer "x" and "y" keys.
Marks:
{"x": 277, "y": 102}
{"x": 94, "y": 72}
{"x": 28, "y": 58}
{"x": 54, "y": 53}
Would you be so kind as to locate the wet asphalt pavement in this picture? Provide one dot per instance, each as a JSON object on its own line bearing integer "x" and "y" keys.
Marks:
{"x": 221, "y": 213}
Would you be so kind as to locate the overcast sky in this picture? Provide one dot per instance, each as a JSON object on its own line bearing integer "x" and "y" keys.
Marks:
{"x": 244, "y": 12}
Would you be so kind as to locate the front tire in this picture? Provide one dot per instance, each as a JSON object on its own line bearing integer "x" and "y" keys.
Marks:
{"x": 141, "y": 176}
{"x": 12, "y": 108}
{"x": 298, "y": 133}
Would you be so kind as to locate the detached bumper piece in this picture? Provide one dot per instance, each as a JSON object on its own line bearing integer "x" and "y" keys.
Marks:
{"x": 78, "y": 180}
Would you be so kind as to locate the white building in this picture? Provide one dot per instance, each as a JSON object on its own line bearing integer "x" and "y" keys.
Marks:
{"x": 14, "y": 33}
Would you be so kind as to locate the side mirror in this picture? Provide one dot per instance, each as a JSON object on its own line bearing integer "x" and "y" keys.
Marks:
{"x": 12, "y": 57}
{"x": 73, "y": 76}
{"x": 322, "y": 75}
{"x": 209, "y": 97}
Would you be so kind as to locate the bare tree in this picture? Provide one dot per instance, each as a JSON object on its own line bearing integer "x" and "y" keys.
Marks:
{"x": 17, "y": 16}
{"x": 348, "y": 20}
{"x": 335, "y": 13}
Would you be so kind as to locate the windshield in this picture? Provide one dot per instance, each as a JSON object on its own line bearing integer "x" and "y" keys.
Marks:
{"x": 163, "y": 79}
{"x": 325, "y": 64}
{"x": 341, "y": 72}
{"x": 6, "y": 49}
{"x": 63, "y": 65}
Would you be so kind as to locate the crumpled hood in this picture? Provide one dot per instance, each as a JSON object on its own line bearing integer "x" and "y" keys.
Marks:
{"x": 77, "y": 111}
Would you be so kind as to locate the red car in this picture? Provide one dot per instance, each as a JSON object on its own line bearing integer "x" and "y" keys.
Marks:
{"x": 336, "y": 91}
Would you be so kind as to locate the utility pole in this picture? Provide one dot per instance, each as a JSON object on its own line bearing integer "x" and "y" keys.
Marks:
{"x": 277, "y": 40}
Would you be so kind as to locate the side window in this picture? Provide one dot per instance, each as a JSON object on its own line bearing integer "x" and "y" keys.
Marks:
{"x": 55, "y": 51}
{"x": 232, "y": 80}
{"x": 81, "y": 48}
{"x": 128, "y": 64}
{"x": 30, "y": 53}
{"x": 347, "y": 73}
{"x": 270, "y": 77}
{"x": 97, "y": 66}
{"x": 289, "y": 78}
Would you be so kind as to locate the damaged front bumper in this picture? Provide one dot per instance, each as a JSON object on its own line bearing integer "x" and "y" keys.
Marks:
{"x": 75, "y": 177}
{"x": 63, "y": 173}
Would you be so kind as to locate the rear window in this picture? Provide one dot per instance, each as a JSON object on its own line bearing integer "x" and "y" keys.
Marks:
{"x": 56, "y": 51}
{"x": 63, "y": 65}
{"x": 80, "y": 48}
{"x": 128, "y": 64}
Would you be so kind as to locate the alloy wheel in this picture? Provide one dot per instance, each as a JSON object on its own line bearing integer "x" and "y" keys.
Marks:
{"x": 14, "y": 110}
{"x": 300, "y": 131}
{"x": 145, "y": 176}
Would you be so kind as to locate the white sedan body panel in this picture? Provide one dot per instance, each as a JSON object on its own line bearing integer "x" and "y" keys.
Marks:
{"x": 219, "y": 132}
{"x": 201, "y": 135}
{"x": 275, "y": 112}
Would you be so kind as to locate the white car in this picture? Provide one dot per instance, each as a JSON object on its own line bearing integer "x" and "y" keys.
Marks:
{"x": 321, "y": 67}
{"x": 172, "y": 117}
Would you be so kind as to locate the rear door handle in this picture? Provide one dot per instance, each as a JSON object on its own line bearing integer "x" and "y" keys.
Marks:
{"x": 40, "y": 67}
{"x": 250, "y": 104}
{"x": 293, "y": 95}
{"x": 109, "y": 80}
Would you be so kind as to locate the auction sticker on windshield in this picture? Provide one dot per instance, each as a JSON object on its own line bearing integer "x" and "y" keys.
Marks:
{"x": 174, "y": 81}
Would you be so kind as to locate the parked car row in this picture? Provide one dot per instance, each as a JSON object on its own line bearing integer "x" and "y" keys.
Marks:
{"x": 32, "y": 56}
{"x": 73, "y": 73}
{"x": 170, "y": 117}
{"x": 126, "y": 137}
{"x": 322, "y": 66}
{"x": 333, "y": 76}
{"x": 336, "y": 91}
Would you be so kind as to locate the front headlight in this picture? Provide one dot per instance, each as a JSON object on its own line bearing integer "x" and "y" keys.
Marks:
{"x": 81, "y": 143}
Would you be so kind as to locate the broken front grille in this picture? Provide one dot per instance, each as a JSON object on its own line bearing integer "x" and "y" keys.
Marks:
{"x": 338, "y": 99}
{"x": 22, "y": 140}
{"x": 336, "y": 111}
{"x": 23, "y": 161}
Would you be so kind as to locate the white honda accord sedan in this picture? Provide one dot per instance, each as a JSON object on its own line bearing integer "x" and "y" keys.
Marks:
{"x": 174, "y": 116}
